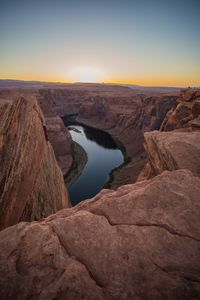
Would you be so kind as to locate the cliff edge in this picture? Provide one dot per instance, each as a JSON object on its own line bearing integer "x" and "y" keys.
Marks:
{"x": 31, "y": 183}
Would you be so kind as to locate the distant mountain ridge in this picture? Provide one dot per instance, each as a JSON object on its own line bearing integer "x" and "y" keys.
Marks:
{"x": 12, "y": 83}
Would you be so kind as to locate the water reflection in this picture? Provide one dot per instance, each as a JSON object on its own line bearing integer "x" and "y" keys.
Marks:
{"x": 103, "y": 156}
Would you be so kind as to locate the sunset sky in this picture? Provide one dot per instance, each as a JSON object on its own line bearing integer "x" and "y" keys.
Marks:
{"x": 129, "y": 41}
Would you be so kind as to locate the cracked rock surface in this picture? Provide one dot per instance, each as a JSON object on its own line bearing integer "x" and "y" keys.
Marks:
{"x": 141, "y": 241}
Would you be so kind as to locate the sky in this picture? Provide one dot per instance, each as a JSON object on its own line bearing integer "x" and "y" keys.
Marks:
{"x": 146, "y": 42}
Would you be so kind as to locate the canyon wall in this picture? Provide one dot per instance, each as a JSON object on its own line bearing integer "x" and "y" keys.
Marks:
{"x": 186, "y": 114}
{"x": 182, "y": 126}
{"x": 125, "y": 113}
{"x": 57, "y": 133}
{"x": 31, "y": 183}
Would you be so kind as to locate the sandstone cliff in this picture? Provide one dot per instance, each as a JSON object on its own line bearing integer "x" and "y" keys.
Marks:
{"x": 141, "y": 241}
{"x": 125, "y": 113}
{"x": 179, "y": 148}
{"x": 31, "y": 183}
{"x": 58, "y": 134}
{"x": 186, "y": 114}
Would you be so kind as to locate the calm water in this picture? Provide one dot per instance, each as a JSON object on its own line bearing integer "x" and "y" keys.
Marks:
{"x": 103, "y": 156}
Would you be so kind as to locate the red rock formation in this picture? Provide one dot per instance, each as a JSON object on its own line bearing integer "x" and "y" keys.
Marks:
{"x": 173, "y": 150}
{"x": 139, "y": 242}
{"x": 186, "y": 115}
{"x": 119, "y": 110}
{"x": 126, "y": 118}
{"x": 58, "y": 134}
{"x": 31, "y": 183}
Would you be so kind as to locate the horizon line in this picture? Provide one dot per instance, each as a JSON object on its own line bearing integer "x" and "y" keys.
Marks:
{"x": 105, "y": 83}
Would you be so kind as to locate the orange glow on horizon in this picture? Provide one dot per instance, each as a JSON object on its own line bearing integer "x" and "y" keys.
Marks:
{"x": 142, "y": 82}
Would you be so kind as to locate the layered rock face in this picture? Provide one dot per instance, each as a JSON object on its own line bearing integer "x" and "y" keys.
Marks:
{"x": 186, "y": 114}
{"x": 126, "y": 118}
{"x": 58, "y": 134}
{"x": 124, "y": 113}
{"x": 31, "y": 183}
{"x": 141, "y": 241}
{"x": 179, "y": 148}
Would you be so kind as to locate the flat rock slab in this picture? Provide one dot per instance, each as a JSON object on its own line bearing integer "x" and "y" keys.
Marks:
{"x": 173, "y": 150}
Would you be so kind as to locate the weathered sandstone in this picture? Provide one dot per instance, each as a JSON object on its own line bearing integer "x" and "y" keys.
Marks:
{"x": 186, "y": 114}
{"x": 141, "y": 241}
{"x": 173, "y": 150}
{"x": 31, "y": 183}
{"x": 58, "y": 135}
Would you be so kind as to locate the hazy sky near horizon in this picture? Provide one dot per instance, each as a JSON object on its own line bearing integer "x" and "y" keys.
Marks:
{"x": 147, "y": 42}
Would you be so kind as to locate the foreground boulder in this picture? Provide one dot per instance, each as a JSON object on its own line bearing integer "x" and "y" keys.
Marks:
{"x": 31, "y": 183}
{"x": 141, "y": 241}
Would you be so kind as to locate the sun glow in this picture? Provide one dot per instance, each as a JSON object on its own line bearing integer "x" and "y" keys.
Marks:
{"x": 86, "y": 74}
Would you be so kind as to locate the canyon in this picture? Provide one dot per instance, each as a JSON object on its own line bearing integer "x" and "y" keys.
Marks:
{"x": 139, "y": 239}
{"x": 121, "y": 111}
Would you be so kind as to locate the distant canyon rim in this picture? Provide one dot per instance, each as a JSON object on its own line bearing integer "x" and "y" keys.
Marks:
{"x": 123, "y": 112}
{"x": 138, "y": 238}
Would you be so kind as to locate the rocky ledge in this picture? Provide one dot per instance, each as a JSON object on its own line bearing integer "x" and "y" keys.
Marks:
{"x": 31, "y": 183}
{"x": 186, "y": 114}
{"x": 141, "y": 241}
{"x": 173, "y": 150}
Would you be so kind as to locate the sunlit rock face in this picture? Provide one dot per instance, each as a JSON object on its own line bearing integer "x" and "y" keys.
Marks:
{"x": 186, "y": 115}
{"x": 138, "y": 242}
{"x": 31, "y": 183}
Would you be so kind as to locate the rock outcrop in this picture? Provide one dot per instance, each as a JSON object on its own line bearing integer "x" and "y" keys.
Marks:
{"x": 173, "y": 150}
{"x": 31, "y": 183}
{"x": 141, "y": 241}
{"x": 58, "y": 135}
{"x": 186, "y": 114}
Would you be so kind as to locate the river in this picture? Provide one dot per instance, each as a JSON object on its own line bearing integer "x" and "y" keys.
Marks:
{"x": 103, "y": 155}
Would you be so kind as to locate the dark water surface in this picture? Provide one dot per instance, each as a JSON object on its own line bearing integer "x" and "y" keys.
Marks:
{"x": 103, "y": 156}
